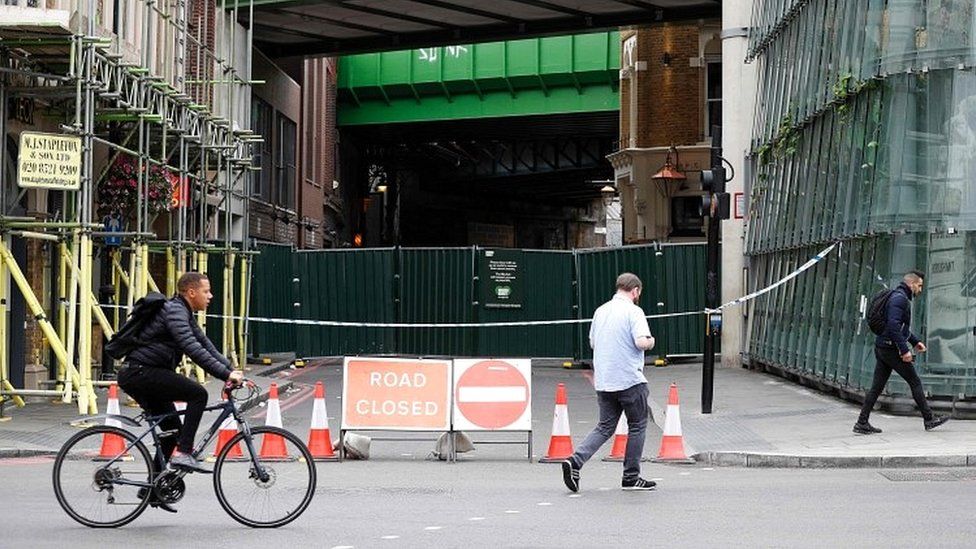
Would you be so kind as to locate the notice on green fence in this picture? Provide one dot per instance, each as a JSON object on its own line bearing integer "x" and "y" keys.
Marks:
{"x": 501, "y": 282}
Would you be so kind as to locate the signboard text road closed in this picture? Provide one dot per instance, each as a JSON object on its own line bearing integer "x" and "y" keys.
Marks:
{"x": 49, "y": 161}
{"x": 396, "y": 394}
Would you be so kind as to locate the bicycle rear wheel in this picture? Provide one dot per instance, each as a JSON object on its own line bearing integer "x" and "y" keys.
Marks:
{"x": 91, "y": 473}
{"x": 272, "y": 494}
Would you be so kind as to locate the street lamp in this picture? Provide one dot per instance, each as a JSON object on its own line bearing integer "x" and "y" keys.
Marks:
{"x": 668, "y": 173}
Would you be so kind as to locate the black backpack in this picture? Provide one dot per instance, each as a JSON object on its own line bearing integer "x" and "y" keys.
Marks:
{"x": 128, "y": 337}
{"x": 877, "y": 313}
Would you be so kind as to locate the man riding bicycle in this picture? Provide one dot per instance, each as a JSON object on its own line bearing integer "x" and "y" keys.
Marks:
{"x": 149, "y": 374}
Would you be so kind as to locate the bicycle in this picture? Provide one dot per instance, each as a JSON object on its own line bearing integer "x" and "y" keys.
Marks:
{"x": 104, "y": 477}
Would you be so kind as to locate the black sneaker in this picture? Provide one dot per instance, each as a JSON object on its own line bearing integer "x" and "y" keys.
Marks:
{"x": 571, "y": 475}
{"x": 187, "y": 462}
{"x": 935, "y": 422}
{"x": 865, "y": 428}
{"x": 637, "y": 484}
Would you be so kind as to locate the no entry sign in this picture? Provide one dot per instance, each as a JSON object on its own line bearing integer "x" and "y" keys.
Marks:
{"x": 396, "y": 394}
{"x": 493, "y": 395}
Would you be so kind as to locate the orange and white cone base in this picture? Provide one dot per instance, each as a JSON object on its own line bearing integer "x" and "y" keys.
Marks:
{"x": 112, "y": 445}
{"x": 672, "y": 442}
{"x": 561, "y": 441}
{"x": 319, "y": 438}
{"x": 272, "y": 445}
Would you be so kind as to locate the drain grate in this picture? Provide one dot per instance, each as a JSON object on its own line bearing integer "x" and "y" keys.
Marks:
{"x": 929, "y": 476}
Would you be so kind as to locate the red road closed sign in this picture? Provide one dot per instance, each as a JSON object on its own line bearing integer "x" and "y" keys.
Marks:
{"x": 493, "y": 395}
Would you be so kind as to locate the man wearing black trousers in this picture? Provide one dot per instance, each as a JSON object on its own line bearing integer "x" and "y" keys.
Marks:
{"x": 893, "y": 351}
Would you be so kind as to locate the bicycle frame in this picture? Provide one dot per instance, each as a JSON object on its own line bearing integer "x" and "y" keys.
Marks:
{"x": 227, "y": 408}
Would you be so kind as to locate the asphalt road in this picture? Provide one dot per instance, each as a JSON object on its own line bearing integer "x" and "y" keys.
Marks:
{"x": 416, "y": 503}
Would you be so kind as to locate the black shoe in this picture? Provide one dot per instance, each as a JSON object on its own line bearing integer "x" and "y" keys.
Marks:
{"x": 154, "y": 502}
{"x": 637, "y": 484}
{"x": 571, "y": 475}
{"x": 935, "y": 422}
{"x": 186, "y": 462}
{"x": 865, "y": 428}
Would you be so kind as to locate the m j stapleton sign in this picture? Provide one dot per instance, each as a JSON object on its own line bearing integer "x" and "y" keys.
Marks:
{"x": 49, "y": 161}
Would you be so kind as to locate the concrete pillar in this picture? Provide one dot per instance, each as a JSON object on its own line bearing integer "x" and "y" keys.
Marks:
{"x": 738, "y": 108}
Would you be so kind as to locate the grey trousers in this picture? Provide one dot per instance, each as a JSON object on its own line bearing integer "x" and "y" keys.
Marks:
{"x": 632, "y": 402}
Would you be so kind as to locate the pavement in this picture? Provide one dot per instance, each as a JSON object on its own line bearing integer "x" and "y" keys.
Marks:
{"x": 758, "y": 420}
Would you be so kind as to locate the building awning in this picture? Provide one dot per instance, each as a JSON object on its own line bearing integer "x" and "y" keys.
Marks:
{"x": 284, "y": 28}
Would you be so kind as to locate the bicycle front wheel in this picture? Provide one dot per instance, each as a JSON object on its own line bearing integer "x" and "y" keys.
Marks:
{"x": 96, "y": 480}
{"x": 270, "y": 488}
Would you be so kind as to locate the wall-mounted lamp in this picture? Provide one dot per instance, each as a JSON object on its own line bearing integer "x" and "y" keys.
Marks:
{"x": 381, "y": 188}
{"x": 666, "y": 59}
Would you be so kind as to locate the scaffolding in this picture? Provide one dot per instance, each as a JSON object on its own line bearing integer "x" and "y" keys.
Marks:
{"x": 165, "y": 87}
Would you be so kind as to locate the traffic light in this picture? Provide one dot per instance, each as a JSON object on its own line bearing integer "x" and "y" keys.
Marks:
{"x": 713, "y": 180}
{"x": 716, "y": 205}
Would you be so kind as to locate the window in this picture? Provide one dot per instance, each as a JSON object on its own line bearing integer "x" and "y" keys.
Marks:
{"x": 261, "y": 122}
{"x": 713, "y": 95}
{"x": 686, "y": 220}
{"x": 285, "y": 163}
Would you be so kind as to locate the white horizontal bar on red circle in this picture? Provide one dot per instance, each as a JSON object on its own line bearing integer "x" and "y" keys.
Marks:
{"x": 491, "y": 394}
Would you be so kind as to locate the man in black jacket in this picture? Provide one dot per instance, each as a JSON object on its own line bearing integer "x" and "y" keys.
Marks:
{"x": 149, "y": 375}
{"x": 893, "y": 351}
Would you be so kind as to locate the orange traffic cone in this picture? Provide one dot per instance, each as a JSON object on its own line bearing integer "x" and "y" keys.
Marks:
{"x": 672, "y": 443}
{"x": 112, "y": 445}
{"x": 619, "y": 440}
{"x": 227, "y": 431}
{"x": 561, "y": 442}
{"x": 273, "y": 446}
{"x": 319, "y": 439}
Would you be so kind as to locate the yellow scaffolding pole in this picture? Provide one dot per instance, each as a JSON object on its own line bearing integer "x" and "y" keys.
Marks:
{"x": 201, "y": 315}
{"x": 38, "y": 311}
{"x": 170, "y": 271}
{"x": 241, "y": 326}
{"x": 63, "y": 278}
{"x": 117, "y": 284}
{"x": 72, "y": 312}
{"x": 96, "y": 310}
{"x": 4, "y": 359}
{"x": 87, "y": 401}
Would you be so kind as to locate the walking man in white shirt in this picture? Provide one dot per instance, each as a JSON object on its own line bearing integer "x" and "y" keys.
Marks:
{"x": 619, "y": 335}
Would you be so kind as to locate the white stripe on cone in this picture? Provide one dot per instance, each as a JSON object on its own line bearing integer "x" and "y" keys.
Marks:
{"x": 180, "y": 406}
{"x": 621, "y": 426}
{"x": 113, "y": 408}
{"x": 319, "y": 417}
{"x": 560, "y": 421}
{"x": 274, "y": 413}
{"x": 672, "y": 421}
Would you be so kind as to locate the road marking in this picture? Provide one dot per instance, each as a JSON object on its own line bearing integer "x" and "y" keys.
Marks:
{"x": 604, "y": 489}
{"x": 708, "y": 469}
{"x": 477, "y": 518}
{"x": 390, "y": 537}
{"x": 657, "y": 479}
{"x": 543, "y": 503}
{"x": 685, "y": 474}
{"x": 432, "y": 528}
{"x": 406, "y": 455}
{"x": 342, "y": 547}
{"x": 512, "y": 512}
{"x": 576, "y": 495}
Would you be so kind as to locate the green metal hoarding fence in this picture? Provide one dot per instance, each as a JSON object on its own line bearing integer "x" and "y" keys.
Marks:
{"x": 467, "y": 285}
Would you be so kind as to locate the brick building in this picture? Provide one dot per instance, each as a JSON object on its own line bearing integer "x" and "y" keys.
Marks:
{"x": 670, "y": 94}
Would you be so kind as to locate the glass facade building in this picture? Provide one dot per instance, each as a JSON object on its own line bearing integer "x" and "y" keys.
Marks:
{"x": 864, "y": 134}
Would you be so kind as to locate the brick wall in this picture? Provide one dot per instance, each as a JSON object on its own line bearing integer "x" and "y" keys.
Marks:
{"x": 670, "y": 99}
{"x": 317, "y": 143}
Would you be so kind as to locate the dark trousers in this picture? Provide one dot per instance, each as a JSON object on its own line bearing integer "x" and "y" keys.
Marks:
{"x": 633, "y": 403}
{"x": 890, "y": 359}
{"x": 155, "y": 389}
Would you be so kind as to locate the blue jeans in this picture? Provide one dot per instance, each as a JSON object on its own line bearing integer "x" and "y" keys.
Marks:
{"x": 632, "y": 402}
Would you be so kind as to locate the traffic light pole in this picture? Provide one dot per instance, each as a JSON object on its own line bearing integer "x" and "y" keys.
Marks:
{"x": 711, "y": 302}
{"x": 716, "y": 206}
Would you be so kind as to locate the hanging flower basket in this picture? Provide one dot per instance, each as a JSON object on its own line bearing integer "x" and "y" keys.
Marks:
{"x": 118, "y": 193}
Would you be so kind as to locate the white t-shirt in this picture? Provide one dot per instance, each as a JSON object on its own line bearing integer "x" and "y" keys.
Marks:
{"x": 618, "y": 363}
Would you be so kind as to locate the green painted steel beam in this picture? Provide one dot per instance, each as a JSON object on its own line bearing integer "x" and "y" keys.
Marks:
{"x": 490, "y": 105}
{"x": 553, "y": 75}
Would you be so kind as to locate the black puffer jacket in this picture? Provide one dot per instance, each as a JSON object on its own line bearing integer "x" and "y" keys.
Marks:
{"x": 174, "y": 332}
